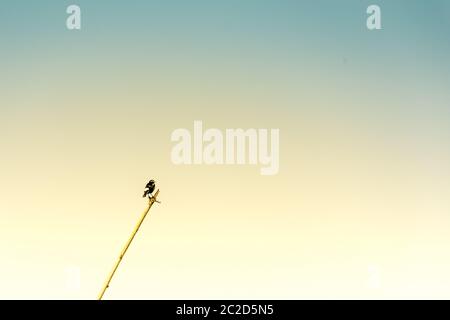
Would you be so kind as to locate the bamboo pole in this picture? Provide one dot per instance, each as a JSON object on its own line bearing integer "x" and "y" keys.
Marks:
{"x": 151, "y": 201}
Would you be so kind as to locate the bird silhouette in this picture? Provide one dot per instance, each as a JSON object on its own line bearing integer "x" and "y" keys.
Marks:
{"x": 149, "y": 188}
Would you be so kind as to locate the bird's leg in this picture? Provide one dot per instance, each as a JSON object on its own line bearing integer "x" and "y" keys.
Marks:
{"x": 152, "y": 197}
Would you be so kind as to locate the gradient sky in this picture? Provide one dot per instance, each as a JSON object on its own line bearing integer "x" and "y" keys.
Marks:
{"x": 359, "y": 209}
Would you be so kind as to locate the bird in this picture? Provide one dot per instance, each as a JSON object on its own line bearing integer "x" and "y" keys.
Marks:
{"x": 149, "y": 188}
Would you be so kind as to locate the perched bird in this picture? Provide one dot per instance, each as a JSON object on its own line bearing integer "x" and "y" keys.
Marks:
{"x": 149, "y": 188}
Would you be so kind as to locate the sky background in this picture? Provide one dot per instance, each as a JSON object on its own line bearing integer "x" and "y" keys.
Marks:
{"x": 360, "y": 207}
